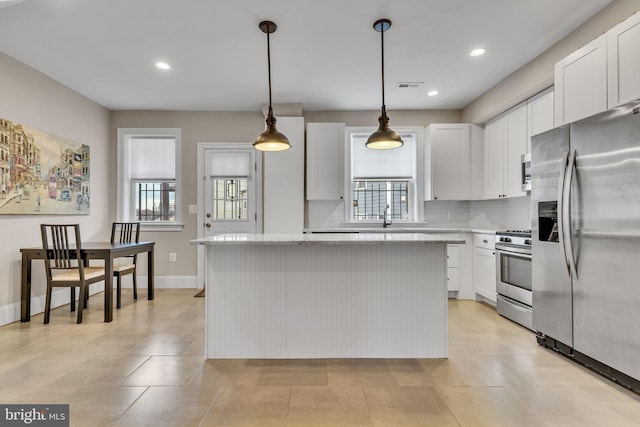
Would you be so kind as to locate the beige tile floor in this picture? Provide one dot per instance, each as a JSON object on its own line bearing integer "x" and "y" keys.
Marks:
{"x": 146, "y": 368}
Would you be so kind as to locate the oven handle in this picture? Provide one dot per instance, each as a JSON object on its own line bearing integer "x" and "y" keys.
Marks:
{"x": 560, "y": 215}
{"x": 513, "y": 253}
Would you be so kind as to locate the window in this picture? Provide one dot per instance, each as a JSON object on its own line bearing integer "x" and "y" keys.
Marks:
{"x": 384, "y": 183}
{"x": 380, "y": 199}
{"x": 149, "y": 177}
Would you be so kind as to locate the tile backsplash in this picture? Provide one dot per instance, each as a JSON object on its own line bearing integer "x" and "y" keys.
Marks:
{"x": 498, "y": 214}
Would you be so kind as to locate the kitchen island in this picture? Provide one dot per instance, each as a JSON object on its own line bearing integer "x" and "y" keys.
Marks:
{"x": 326, "y": 295}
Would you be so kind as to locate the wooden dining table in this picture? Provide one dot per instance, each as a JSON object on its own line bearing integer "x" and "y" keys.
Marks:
{"x": 106, "y": 251}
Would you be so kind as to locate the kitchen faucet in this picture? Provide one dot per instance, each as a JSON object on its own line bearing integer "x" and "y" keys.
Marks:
{"x": 384, "y": 218}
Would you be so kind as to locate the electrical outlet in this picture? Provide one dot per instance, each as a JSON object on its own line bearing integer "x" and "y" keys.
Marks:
{"x": 193, "y": 209}
{"x": 172, "y": 257}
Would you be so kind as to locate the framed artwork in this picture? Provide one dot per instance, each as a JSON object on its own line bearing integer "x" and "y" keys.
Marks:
{"x": 42, "y": 174}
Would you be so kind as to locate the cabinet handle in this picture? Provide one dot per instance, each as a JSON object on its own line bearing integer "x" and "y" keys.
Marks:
{"x": 485, "y": 241}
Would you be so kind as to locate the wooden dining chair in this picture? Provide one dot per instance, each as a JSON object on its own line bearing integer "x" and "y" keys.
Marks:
{"x": 64, "y": 266}
{"x": 125, "y": 232}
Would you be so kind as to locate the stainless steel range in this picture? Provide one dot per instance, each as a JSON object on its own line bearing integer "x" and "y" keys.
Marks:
{"x": 513, "y": 276}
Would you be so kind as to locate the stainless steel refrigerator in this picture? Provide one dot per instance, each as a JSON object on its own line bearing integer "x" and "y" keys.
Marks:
{"x": 585, "y": 201}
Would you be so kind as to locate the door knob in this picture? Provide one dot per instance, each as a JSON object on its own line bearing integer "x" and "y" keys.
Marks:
{"x": 207, "y": 224}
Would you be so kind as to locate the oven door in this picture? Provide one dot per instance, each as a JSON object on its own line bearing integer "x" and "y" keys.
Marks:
{"x": 513, "y": 276}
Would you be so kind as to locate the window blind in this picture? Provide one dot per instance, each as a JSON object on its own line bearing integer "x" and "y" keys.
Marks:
{"x": 395, "y": 163}
{"x": 229, "y": 164}
{"x": 152, "y": 158}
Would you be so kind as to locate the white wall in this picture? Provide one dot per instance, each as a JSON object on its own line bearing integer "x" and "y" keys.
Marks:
{"x": 36, "y": 101}
{"x": 537, "y": 75}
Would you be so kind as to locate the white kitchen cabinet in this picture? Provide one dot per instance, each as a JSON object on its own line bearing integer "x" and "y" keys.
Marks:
{"x": 484, "y": 267}
{"x": 580, "y": 82}
{"x": 453, "y": 268}
{"x": 494, "y": 158}
{"x": 454, "y": 152}
{"x": 325, "y": 161}
{"x": 283, "y": 181}
{"x": 505, "y": 143}
{"x": 623, "y": 61}
{"x": 539, "y": 114}
{"x": 515, "y": 147}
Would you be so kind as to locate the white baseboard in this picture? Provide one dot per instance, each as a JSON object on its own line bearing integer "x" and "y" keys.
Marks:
{"x": 162, "y": 282}
{"x": 11, "y": 312}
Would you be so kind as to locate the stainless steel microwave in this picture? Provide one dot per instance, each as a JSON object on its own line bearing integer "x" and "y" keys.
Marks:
{"x": 526, "y": 172}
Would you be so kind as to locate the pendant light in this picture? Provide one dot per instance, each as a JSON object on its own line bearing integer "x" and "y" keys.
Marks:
{"x": 270, "y": 139}
{"x": 384, "y": 138}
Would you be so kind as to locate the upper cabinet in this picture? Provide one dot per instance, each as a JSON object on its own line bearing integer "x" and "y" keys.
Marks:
{"x": 581, "y": 83}
{"x": 505, "y": 143}
{"x": 623, "y": 61}
{"x": 601, "y": 75}
{"x": 454, "y": 151}
{"x": 539, "y": 114}
{"x": 494, "y": 158}
{"x": 325, "y": 161}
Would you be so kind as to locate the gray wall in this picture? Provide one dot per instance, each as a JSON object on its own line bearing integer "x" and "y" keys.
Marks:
{"x": 227, "y": 127}
{"x": 36, "y": 101}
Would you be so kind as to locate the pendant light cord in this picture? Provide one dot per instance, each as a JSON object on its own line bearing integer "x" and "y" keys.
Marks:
{"x": 269, "y": 68}
{"x": 384, "y": 109}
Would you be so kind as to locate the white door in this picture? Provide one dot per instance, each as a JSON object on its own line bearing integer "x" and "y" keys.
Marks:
{"x": 229, "y": 192}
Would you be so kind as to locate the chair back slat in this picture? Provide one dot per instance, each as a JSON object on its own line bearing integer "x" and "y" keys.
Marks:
{"x": 125, "y": 232}
{"x": 61, "y": 243}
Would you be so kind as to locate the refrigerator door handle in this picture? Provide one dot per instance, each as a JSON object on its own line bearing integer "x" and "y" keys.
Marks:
{"x": 561, "y": 209}
{"x": 567, "y": 214}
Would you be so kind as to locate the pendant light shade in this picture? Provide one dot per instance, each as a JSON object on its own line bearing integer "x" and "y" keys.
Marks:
{"x": 384, "y": 138}
{"x": 270, "y": 139}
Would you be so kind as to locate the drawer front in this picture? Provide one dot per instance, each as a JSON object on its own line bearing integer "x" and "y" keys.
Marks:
{"x": 485, "y": 241}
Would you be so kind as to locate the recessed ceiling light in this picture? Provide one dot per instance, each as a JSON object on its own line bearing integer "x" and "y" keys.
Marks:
{"x": 432, "y": 93}
{"x": 478, "y": 52}
{"x": 163, "y": 65}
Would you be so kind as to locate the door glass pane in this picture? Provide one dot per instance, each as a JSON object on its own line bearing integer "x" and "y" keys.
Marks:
{"x": 229, "y": 199}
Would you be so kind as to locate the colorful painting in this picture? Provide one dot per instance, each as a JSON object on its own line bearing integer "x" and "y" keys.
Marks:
{"x": 42, "y": 174}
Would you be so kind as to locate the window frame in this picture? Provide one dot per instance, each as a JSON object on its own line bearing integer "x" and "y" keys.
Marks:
{"x": 416, "y": 183}
{"x": 125, "y": 197}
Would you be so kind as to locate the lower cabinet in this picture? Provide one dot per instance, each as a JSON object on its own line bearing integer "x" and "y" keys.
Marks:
{"x": 453, "y": 268}
{"x": 459, "y": 268}
{"x": 484, "y": 267}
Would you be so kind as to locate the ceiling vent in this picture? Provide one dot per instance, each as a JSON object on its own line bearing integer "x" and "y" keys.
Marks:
{"x": 409, "y": 85}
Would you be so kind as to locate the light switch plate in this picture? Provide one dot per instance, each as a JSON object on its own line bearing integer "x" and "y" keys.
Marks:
{"x": 193, "y": 209}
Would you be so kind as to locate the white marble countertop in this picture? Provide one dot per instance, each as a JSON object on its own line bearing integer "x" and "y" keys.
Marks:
{"x": 399, "y": 229}
{"x": 325, "y": 238}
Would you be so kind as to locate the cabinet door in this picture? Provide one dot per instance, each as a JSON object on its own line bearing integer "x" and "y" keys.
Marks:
{"x": 449, "y": 161}
{"x": 623, "y": 61}
{"x": 283, "y": 182}
{"x": 484, "y": 273}
{"x": 539, "y": 115}
{"x": 325, "y": 161}
{"x": 494, "y": 159}
{"x": 515, "y": 121}
{"x": 581, "y": 83}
